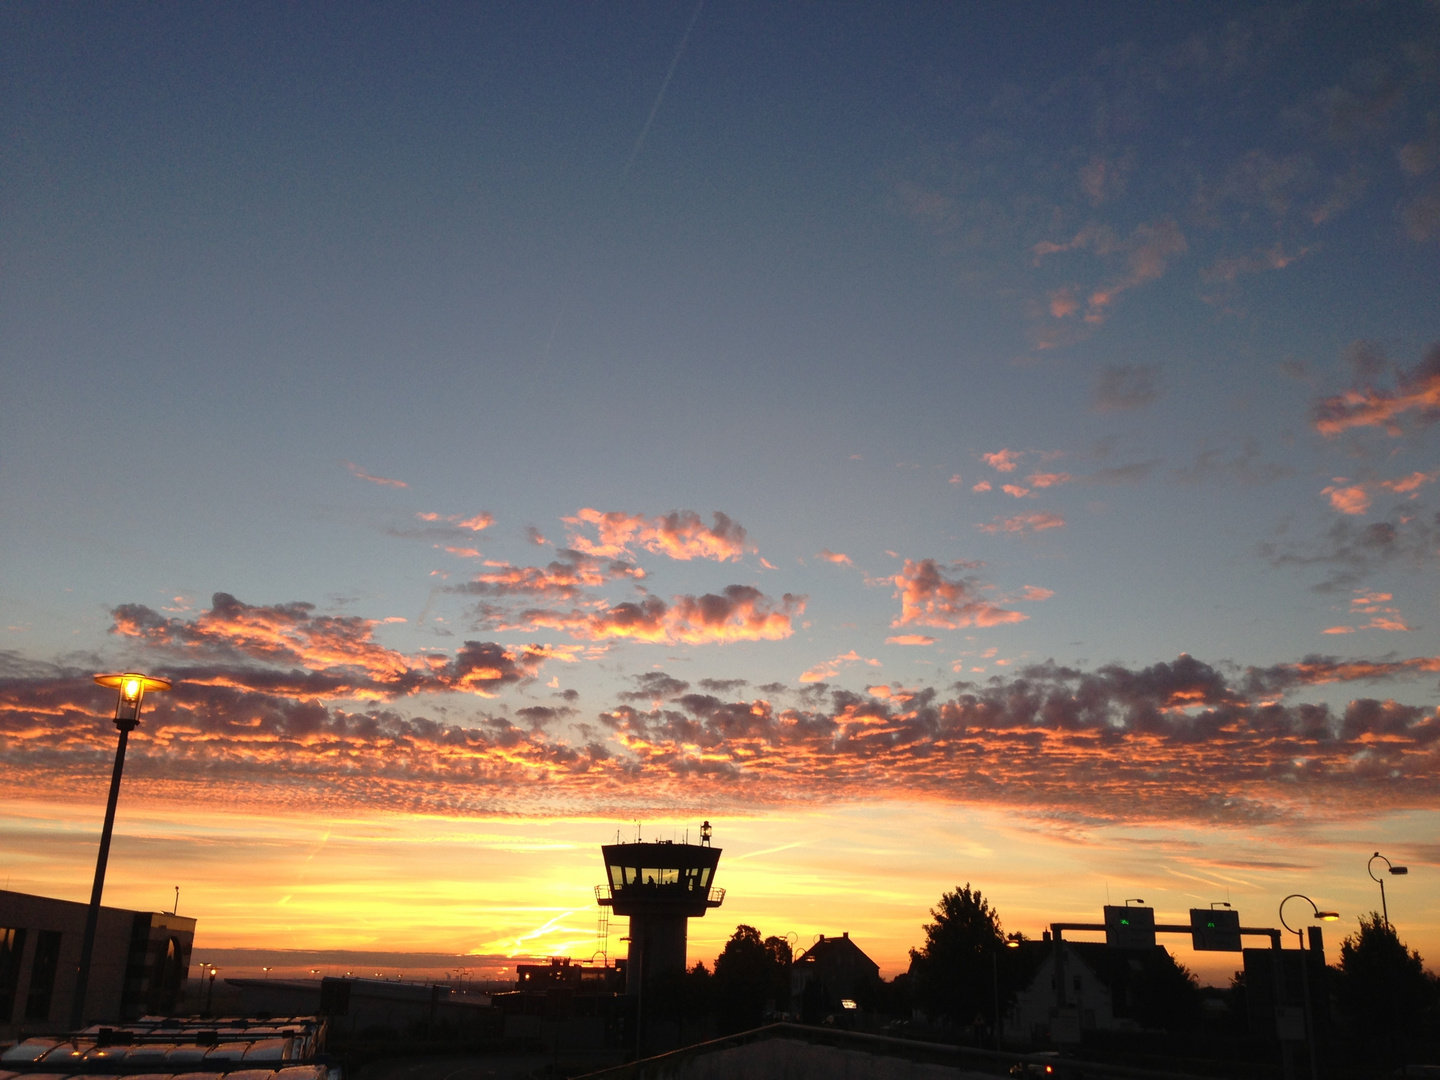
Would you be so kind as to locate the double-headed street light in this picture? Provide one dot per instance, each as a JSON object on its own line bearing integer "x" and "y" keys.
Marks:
{"x": 1390, "y": 868}
{"x": 132, "y": 687}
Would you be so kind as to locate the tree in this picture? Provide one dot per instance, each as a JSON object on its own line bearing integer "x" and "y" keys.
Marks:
{"x": 1383, "y": 987}
{"x": 751, "y": 976}
{"x": 953, "y": 973}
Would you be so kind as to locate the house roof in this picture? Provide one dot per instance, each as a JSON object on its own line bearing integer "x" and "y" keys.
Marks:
{"x": 835, "y": 950}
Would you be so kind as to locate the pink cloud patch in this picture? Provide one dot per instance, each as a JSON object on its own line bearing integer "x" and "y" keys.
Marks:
{"x": 910, "y": 639}
{"x": 1005, "y": 461}
{"x": 681, "y": 534}
{"x": 834, "y": 557}
{"x": 1024, "y": 523}
{"x": 929, "y": 597}
{"x": 383, "y": 481}
{"x": 1350, "y": 499}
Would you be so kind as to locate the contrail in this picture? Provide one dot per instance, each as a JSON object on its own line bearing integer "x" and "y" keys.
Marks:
{"x": 663, "y": 86}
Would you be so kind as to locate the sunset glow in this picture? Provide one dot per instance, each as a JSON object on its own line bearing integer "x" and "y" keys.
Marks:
{"x": 964, "y": 445}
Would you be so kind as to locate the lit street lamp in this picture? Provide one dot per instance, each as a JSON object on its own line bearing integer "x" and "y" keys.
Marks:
{"x": 1391, "y": 868}
{"x": 995, "y": 975}
{"x": 132, "y": 688}
{"x": 1305, "y": 975}
{"x": 1323, "y": 916}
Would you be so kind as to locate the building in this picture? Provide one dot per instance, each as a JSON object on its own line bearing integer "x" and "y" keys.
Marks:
{"x": 831, "y": 972}
{"x": 140, "y": 962}
{"x": 1105, "y": 988}
{"x": 660, "y": 886}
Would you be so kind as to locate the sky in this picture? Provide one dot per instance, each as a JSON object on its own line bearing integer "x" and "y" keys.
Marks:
{"x": 956, "y": 443}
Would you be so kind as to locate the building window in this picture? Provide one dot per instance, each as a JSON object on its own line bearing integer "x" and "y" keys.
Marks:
{"x": 42, "y": 975}
{"x": 12, "y": 947}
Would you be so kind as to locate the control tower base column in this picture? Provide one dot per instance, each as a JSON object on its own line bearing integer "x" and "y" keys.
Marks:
{"x": 657, "y": 944}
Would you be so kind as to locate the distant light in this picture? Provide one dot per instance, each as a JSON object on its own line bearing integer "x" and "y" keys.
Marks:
{"x": 1012, "y": 944}
{"x": 847, "y": 1003}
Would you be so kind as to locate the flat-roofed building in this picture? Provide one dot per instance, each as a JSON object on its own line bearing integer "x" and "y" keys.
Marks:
{"x": 140, "y": 962}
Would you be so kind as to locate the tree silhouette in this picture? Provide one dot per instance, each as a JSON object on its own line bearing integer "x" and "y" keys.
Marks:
{"x": 1383, "y": 987}
{"x": 952, "y": 973}
{"x": 751, "y": 975}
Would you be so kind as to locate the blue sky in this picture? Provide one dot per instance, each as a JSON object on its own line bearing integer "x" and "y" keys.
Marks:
{"x": 305, "y": 304}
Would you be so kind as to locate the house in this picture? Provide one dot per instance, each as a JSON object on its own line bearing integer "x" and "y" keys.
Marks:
{"x": 1090, "y": 986}
{"x": 140, "y": 962}
{"x": 832, "y": 971}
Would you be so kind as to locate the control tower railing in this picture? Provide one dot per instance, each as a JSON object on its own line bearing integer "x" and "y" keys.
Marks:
{"x": 605, "y": 895}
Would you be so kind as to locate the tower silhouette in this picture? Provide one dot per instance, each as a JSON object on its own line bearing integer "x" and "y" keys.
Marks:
{"x": 660, "y": 886}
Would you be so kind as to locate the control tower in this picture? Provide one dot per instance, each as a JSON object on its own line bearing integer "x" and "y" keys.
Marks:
{"x": 660, "y": 886}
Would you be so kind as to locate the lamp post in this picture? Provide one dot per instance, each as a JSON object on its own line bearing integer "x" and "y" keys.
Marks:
{"x": 1390, "y": 868}
{"x": 132, "y": 687}
{"x": 995, "y": 975}
{"x": 1323, "y": 916}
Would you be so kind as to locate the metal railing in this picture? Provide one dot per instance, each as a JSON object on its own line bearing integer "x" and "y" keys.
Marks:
{"x": 604, "y": 894}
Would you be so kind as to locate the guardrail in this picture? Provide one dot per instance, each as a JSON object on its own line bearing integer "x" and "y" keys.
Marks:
{"x": 605, "y": 895}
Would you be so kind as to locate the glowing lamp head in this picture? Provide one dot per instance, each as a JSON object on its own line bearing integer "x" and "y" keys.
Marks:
{"x": 1328, "y": 916}
{"x": 132, "y": 687}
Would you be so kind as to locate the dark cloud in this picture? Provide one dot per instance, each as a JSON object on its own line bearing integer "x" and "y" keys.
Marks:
{"x": 288, "y": 649}
{"x": 654, "y": 686}
{"x": 1349, "y": 551}
{"x": 1125, "y": 387}
{"x": 1415, "y": 396}
{"x": 1173, "y": 741}
{"x": 723, "y": 686}
{"x": 567, "y": 577}
{"x": 1244, "y": 467}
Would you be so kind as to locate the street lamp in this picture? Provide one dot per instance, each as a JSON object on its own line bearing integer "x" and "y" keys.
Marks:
{"x": 1306, "y": 975}
{"x": 1323, "y": 916}
{"x": 1391, "y": 868}
{"x": 132, "y": 687}
{"x": 995, "y": 975}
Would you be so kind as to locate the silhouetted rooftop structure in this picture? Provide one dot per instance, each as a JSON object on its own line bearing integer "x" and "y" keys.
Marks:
{"x": 140, "y": 962}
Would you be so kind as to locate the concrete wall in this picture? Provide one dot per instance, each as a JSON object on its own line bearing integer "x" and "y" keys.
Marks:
{"x": 795, "y": 1059}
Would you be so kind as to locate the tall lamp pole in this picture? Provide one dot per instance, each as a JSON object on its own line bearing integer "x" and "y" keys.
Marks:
{"x": 1390, "y": 868}
{"x": 132, "y": 687}
{"x": 1306, "y": 972}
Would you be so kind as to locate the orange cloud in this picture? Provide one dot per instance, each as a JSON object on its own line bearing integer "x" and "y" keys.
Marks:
{"x": 910, "y": 639}
{"x": 1146, "y": 254}
{"x": 566, "y": 577}
{"x": 286, "y": 648}
{"x": 834, "y": 557}
{"x": 830, "y": 668}
{"x": 1015, "y": 490}
{"x": 1416, "y": 390}
{"x": 983, "y": 485}
{"x": 1045, "y": 480}
{"x": 738, "y": 613}
{"x": 361, "y": 474}
{"x": 1348, "y": 500}
{"x": 680, "y": 535}
{"x": 1176, "y": 741}
{"x": 1411, "y": 483}
{"x": 929, "y": 598}
{"x": 1004, "y": 461}
{"x": 1024, "y": 523}
{"x": 1035, "y": 592}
